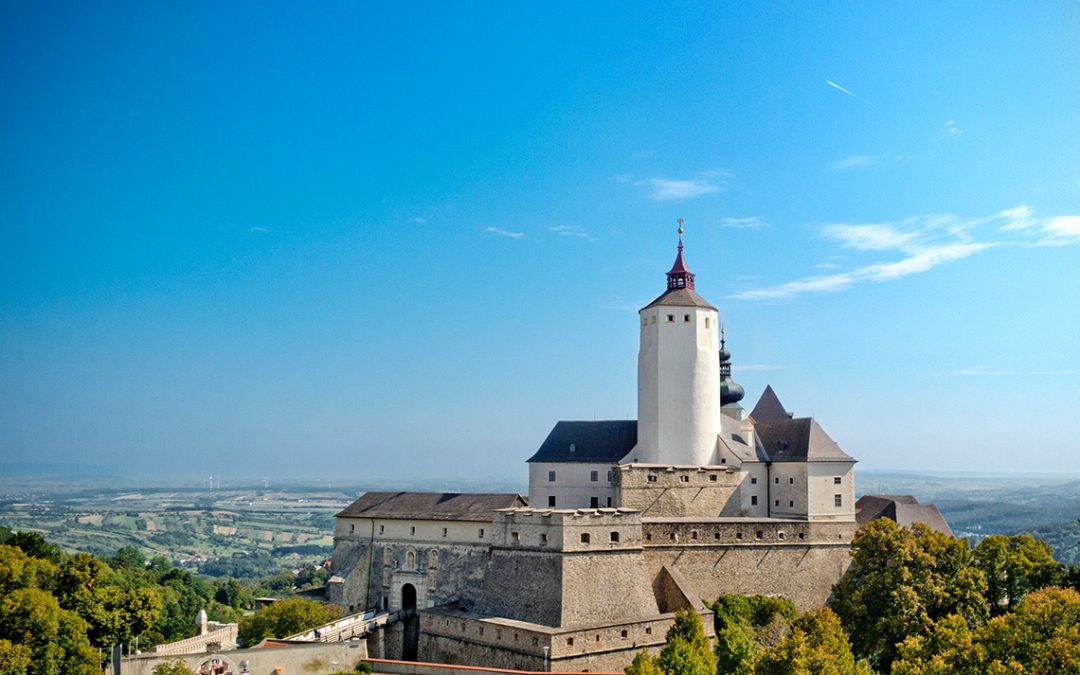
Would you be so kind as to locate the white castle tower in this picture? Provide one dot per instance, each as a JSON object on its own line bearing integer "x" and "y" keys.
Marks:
{"x": 678, "y": 375}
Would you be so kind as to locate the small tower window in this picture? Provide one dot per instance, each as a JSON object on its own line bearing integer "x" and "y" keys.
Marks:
{"x": 791, "y": 481}
{"x": 352, "y": 528}
{"x": 652, "y": 477}
{"x": 753, "y": 480}
{"x": 652, "y": 319}
{"x": 515, "y": 537}
{"x": 753, "y": 500}
{"x": 584, "y": 537}
{"x": 671, "y": 318}
{"x": 706, "y": 323}
{"x": 837, "y": 480}
{"x": 686, "y": 318}
{"x": 614, "y": 536}
{"x": 759, "y": 534}
{"x": 791, "y": 505}
{"x": 594, "y": 502}
{"x": 481, "y": 533}
{"x": 444, "y": 532}
{"x": 738, "y": 535}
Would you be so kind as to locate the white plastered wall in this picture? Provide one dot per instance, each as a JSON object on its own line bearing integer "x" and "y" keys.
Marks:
{"x": 573, "y": 487}
{"x": 823, "y": 488}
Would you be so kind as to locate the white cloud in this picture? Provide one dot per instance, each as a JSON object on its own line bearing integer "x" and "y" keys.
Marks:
{"x": 950, "y": 130}
{"x": 667, "y": 189}
{"x": 419, "y": 220}
{"x": 819, "y": 284}
{"x": 846, "y": 91}
{"x": 1020, "y": 218}
{"x": 972, "y": 371}
{"x": 745, "y": 223}
{"x": 257, "y": 230}
{"x": 880, "y": 237}
{"x": 922, "y": 260}
{"x": 862, "y": 161}
{"x": 569, "y": 231}
{"x": 1063, "y": 230}
{"x": 504, "y": 233}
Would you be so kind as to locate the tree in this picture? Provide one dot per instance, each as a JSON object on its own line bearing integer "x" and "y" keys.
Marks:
{"x": 1015, "y": 566}
{"x": 18, "y": 570}
{"x": 687, "y": 651}
{"x": 284, "y": 618}
{"x": 56, "y": 638}
{"x": 900, "y": 582}
{"x": 643, "y": 664}
{"x": 14, "y": 659}
{"x": 816, "y": 644}
{"x": 35, "y": 546}
{"x": 177, "y": 667}
{"x": 233, "y": 594}
{"x": 128, "y": 557}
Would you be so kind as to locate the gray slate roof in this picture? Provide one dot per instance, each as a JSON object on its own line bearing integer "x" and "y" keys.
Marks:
{"x": 798, "y": 440}
{"x": 732, "y": 438}
{"x": 603, "y": 442}
{"x": 431, "y": 505}
{"x": 904, "y": 509}
{"x": 769, "y": 408}
{"x": 680, "y": 297}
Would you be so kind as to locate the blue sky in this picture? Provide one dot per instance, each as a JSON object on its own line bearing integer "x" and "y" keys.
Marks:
{"x": 401, "y": 240}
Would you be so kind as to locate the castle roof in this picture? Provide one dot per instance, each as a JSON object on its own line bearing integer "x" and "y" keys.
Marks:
{"x": 430, "y": 505}
{"x": 680, "y": 297}
{"x": 904, "y": 509}
{"x": 769, "y": 408}
{"x": 603, "y": 442}
{"x": 798, "y": 440}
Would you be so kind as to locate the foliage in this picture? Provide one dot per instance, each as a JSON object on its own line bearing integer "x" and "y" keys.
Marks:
{"x": 232, "y": 594}
{"x": 745, "y": 625}
{"x": 177, "y": 667}
{"x": 363, "y": 667}
{"x": 14, "y": 659}
{"x": 687, "y": 651}
{"x": 55, "y": 637}
{"x": 1015, "y": 566}
{"x": 35, "y": 546}
{"x": 643, "y": 664}
{"x": 1040, "y": 635}
{"x": 284, "y": 618}
{"x": 816, "y": 644}
{"x": 901, "y": 582}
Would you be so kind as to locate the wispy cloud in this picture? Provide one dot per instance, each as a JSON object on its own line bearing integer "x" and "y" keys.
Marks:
{"x": 921, "y": 244}
{"x": 864, "y": 161}
{"x": 846, "y": 91}
{"x": 972, "y": 371}
{"x": 257, "y": 230}
{"x": 667, "y": 189}
{"x": 569, "y": 231}
{"x": 505, "y": 233}
{"x": 950, "y": 130}
{"x": 419, "y": 220}
{"x": 744, "y": 223}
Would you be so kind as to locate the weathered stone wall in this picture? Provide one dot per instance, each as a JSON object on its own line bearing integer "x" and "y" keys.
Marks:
{"x": 523, "y": 585}
{"x": 660, "y": 491}
{"x": 606, "y": 586}
{"x": 317, "y": 658}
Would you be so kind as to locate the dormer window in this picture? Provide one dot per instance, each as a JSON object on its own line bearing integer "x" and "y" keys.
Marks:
{"x": 573, "y": 447}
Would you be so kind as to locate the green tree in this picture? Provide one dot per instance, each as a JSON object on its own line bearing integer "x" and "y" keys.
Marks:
{"x": 116, "y": 615}
{"x": 284, "y": 618}
{"x": 816, "y": 644}
{"x": 643, "y": 664}
{"x": 14, "y": 659}
{"x": 737, "y": 649}
{"x": 687, "y": 651}
{"x": 56, "y": 638}
{"x": 18, "y": 570}
{"x": 128, "y": 557}
{"x": 35, "y": 546}
{"x": 177, "y": 667}
{"x": 901, "y": 581}
{"x": 1015, "y": 566}
{"x": 233, "y": 594}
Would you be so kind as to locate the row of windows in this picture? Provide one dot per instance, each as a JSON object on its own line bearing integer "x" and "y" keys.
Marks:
{"x": 670, "y": 318}
{"x": 594, "y": 502}
{"x": 694, "y": 535}
{"x": 412, "y": 530}
{"x": 594, "y": 476}
{"x": 686, "y": 479}
{"x": 837, "y": 480}
{"x": 410, "y": 558}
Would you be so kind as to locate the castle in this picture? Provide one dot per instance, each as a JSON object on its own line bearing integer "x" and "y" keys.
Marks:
{"x": 626, "y": 521}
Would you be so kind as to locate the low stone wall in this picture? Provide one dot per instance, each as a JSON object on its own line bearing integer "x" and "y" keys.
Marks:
{"x": 390, "y": 667}
{"x": 315, "y": 658}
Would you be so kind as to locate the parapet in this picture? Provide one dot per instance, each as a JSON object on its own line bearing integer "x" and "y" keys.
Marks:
{"x": 567, "y": 530}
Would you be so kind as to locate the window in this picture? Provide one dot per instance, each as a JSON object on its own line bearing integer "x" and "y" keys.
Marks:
{"x": 775, "y": 480}
{"x": 671, "y": 318}
{"x": 444, "y": 532}
{"x": 644, "y": 321}
{"x": 652, "y": 319}
{"x": 837, "y": 480}
{"x": 380, "y": 529}
{"x": 693, "y": 534}
{"x": 515, "y": 537}
{"x": 838, "y": 500}
{"x": 791, "y": 505}
{"x": 802, "y": 535}
{"x": 352, "y": 528}
{"x": 570, "y": 641}
{"x": 543, "y": 538}
{"x": 623, "y": 634}
{"x": 573, "y": 448}
{"x": 791, "y": 481}
{"x": 412, "y": 530}
{"x": 777, "y": 502}
{"x": 652, "y": 477}
{"x": 712, "y": 476}
{"x": 779, "y": 535}
{"x": 385, "y": 602}
{"x": 598, "y": 637}
{"x": 686, "y": 318}
{"x": 584, "y": 537}
{"x": 753, "y": 501}
{"x": 648, "y": 630}
{"x": 481, "y": 536}
{"x": 614, "y": 537}
{"x": 594, "y": 502}
{"x": 551, "y": 501}
{"x": 759, "y": 534}
{"x": 723, "y": 460}
{"x": 753, "y": 480}
{"x": 684, "y": 479}
{"x": 738, "y": 535}
{"x": 706, "y": 323}
{"x": 551, "y": 476}
{"x": 610, "y": 476}
{"x": 594, "y": 476}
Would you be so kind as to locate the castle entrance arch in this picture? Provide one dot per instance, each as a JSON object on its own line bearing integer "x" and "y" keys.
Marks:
{"x": 411, "y": 632}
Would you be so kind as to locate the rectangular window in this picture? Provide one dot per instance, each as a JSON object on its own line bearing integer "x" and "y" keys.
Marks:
{"x": 837, "y": 480}
{"x": 723, "y": 460}
{"x": 380, "y": 529}
{"x": 791, "y": 481}
{"x": 610, "y": 476}
{"x": 444, "y": 532}
{"x": 516, "y": 537}
{"x": 594, "y": 476}
{"x": 712, "y": 477}
{"x": 551, "y": 476}
{"x": 776, "y": 502}
{"x": 684, "y": 479}
{"x": 543, "y": 538}
{"x": 706, "y": 322}
{"x": 775, "y": 480}
{"x": 686, "y": 318}
{"x": 412, "y": 530}
{"x": 481, "y": 533}
{"x": 791, "y": 505}
{"x": 594, "y": 502}
{"x": 753, "y": 480}
{"x": 609, "y": 501}
{"x": 838, "y": 500}
{"x": 551, "y": 501}
{"x": 671, "y": 318}
{"x": 652, "y": 478}
{"x": 753, "y": 501}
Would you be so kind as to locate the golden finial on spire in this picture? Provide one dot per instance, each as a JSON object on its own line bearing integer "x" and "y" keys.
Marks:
{"x": 680, "y": 222}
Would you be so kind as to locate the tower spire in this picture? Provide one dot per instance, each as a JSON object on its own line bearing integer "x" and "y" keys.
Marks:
{"x": 680, "y": 275}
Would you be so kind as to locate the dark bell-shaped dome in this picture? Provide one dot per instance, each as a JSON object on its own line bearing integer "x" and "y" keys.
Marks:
{"x": 730, "y": 392}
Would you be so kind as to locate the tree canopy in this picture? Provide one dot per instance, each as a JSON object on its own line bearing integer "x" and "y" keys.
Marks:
{"x": 284, "y": 618}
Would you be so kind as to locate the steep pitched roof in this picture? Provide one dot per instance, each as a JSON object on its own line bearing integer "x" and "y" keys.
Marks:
{"x": 603, "y": 442}
{"x": 732, "y": 438}
{"x": 430, "y": 505}
{"x": 904, "y": 509}
{"x": 798, "y": 440}
{"x": 680, "y": 297}
{"x": 769, "y": 408}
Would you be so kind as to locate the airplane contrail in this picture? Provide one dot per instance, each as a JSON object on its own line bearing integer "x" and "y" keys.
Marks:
{"x": 836, "y": 86}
